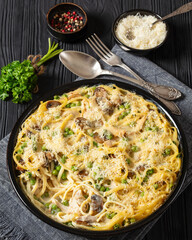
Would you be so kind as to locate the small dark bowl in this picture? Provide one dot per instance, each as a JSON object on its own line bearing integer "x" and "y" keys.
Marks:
{"x": 67, "y": 36}
{"x": 142, "y": 13}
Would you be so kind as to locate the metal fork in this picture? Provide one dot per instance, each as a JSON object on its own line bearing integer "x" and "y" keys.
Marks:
{"x": 111, "y": 59}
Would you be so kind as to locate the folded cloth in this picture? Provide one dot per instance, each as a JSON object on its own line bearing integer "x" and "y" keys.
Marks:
{"x": 18, "y": 223}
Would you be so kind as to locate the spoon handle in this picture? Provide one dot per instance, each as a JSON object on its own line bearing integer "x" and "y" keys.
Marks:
{"x": 165, "y": 92}
{"x": 169, "y": 104}
{"x": 183, "y": 9}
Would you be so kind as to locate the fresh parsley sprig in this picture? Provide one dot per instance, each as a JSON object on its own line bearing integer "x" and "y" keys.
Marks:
{"x": 18, "y": 79}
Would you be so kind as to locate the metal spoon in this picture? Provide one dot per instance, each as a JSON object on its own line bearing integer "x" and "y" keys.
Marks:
{"x": 183, "y": 9}
{"x": 88, "y": 67}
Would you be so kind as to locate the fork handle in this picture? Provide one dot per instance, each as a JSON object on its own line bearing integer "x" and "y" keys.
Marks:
{"x": 169, "y": 104}
{"x": 165, "y": 92}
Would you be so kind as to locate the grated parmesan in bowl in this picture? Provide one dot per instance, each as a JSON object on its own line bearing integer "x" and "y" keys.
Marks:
{"x": 136, "y": 31}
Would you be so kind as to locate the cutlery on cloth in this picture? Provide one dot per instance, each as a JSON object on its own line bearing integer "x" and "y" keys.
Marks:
{"x": 111, "y": 59}
{"x": 88, "y": 67}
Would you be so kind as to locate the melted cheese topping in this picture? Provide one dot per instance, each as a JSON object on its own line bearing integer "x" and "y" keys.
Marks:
{"x": 98, "y": 158}
{"x": 136, "y": 32}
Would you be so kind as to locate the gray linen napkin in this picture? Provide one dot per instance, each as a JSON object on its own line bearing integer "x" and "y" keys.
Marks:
{"x": 18, "y": 223}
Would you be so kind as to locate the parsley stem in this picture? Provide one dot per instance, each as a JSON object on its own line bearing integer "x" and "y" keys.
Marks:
{"x": 50, "y": 53}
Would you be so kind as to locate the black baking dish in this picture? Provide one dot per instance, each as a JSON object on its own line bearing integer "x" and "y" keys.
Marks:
{"x": 87, "y": 233}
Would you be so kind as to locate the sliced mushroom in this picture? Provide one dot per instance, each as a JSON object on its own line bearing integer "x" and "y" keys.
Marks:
{"x": 100, "y": 92}
{"x": 36, "y": 127}
{"x": 131, "y": 175}
{"x": 74, "y": 95}
{"x": 83, "y": 173}
{"x": 161, "y": 183}
{"x": 98, "y": 138}
{"x": 49, "y": 156}
{"x": 141, "y": 168}
{"x": 86, "y": 220}
{"x": 83, "y": 123}
{"x": 20, "y": 169}
{"x": 52, "y": 103}
{"x": 102, "y": 100}
{"x": 96, "y": 204}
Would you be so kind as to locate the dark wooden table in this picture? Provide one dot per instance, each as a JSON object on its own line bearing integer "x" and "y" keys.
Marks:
{"x": 23, "y": 31}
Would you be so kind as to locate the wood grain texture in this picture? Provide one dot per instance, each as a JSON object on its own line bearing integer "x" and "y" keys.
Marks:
{"x": 23, "y": 31}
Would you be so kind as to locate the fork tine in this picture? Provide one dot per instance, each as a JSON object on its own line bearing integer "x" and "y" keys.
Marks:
{"x": 95, "y": 47}
{"x": 90, "y": 44}
{"x": 109, "y": 51}
{"x": 107, "y": 54}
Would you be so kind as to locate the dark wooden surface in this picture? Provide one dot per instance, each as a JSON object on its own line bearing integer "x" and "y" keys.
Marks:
{"x": 23, "y": 31}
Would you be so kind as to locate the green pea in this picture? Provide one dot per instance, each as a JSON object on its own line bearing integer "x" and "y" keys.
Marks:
{"x": 64, "y": 175}
{"x": 142, "y": 194}
{"x": 110, "y": 215}
{"x": 71, "y": 132}
{"x": 29, "y": 174}
{"x": 109, "y": 136}
{"x": 155, "y": 186}
{"x": 64, "y": 158}
{"x": 44, "y": 148}
{"x": 124, "y": 114}
{"x": 127, "y": 105}
{"x": 134, "y": 148}
{"x": 102, "y": 189}
{"x": 120, "y": 117}
{"x": 167, "y": 151}
{"x": 148, "y": 128}
{"x": 20, "y": 151}
{"x": 68, "y": 105}
{"x": 47, "y": 205}
{"x": 66, "y": 202}
{"x": 89, "y": 164}
{"x": 97, "y": 186}
{"x": 155, "y": 129}
{"x": 124, "y": 181}
{"x": 128, "y": 160}
{"x": 116, "y": 226}
{"x": 67, "y": 129}
{"x": 54, "y": 207}
{"x": 73, "y": 104}
{"x": 56, "y": 97}
{"x": 24, "y": 145}
{"x": 87, "y": 96}
{"x": 95, "y": 144}
{"x": 79, "y": 103}
{"x": 18, "y": 157}
{"x": 58, "y": 168}
{"x": 132, "y": 220}
{"x": 74, "y": 168}
{"x": 107, "y": 189}
{"x": 65, "y": 95}
{"x": 58, "y": 116}
{"x": 33, "y": 181}
{"x": 121, "y": 106}
{"x": 46, "y": 128}
{"x": 55, "y": 172}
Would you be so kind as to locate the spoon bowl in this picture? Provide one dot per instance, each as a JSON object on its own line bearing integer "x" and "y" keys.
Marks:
{"x": 81, "y": 64}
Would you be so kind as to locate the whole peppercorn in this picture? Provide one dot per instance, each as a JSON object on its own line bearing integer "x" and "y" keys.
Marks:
{"x": 67, "y": 22}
